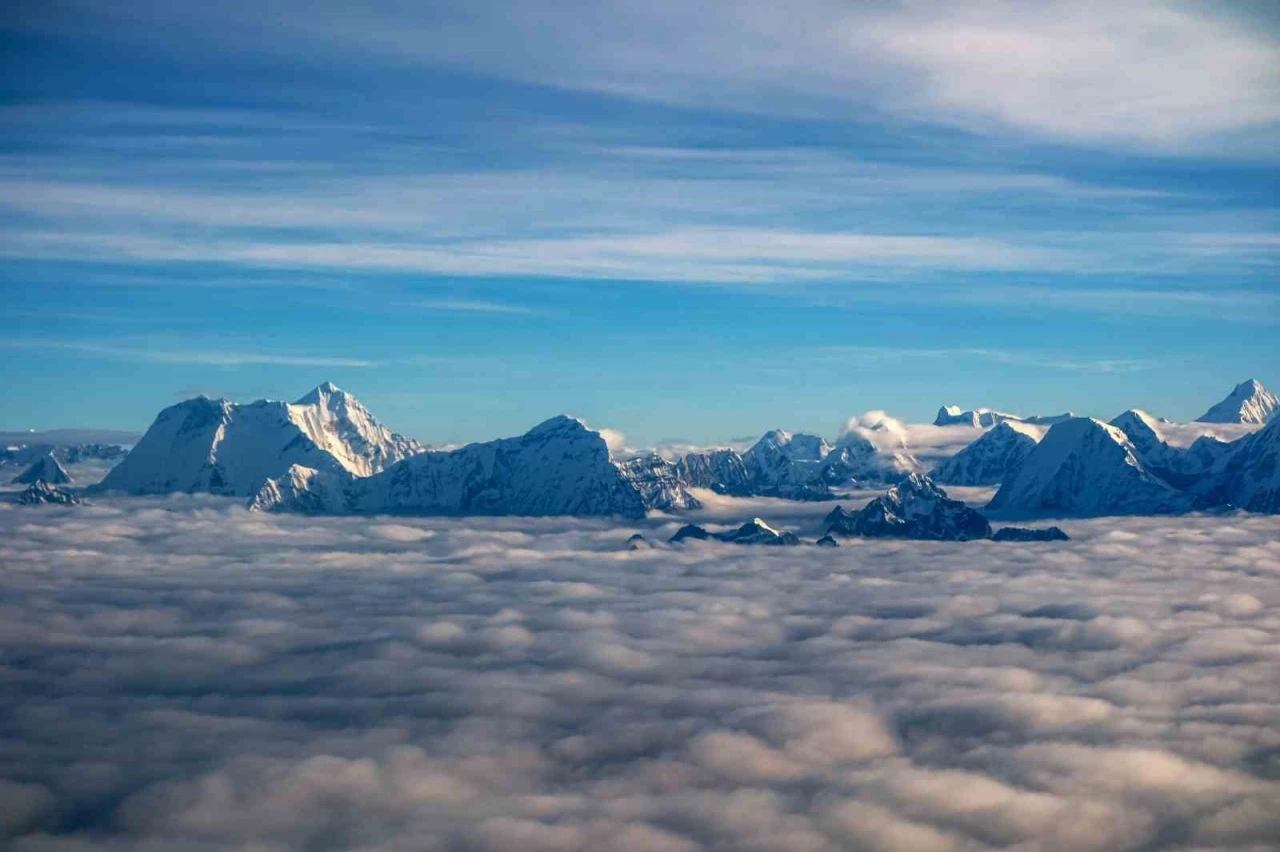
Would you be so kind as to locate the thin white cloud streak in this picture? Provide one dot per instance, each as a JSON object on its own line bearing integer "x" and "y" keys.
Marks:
{"x": 714, "y": 255}
{"x": 160, "y": 355}
{"x": 517, "y": 684}
{"x": 473, "y": 306}
{"x": 869, "y": 355}
{"x": 1153, "y": 74}
{"x": 599, "y": 189}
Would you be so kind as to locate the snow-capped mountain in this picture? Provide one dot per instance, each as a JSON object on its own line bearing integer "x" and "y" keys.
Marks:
{"x": 559, "y": 467}
{"x": 1248, "y": 402}
{"x": 754, "y": 531}
{"x": 42, "y": 493}
{"x": 915, "y": 508}
{"x": 338, "y": 424}
{"x": 953, "y": 415}
{"x": 1086, "y": 467}
{"x": 1248, "y": 473}
{"x": 722, "y": 471}
{"x": 659, "y": 483}
{"x": 220, "y": 447}
{"x": 25, "y": 454}
{"x": 781, "y": 462}
{"x": 794, "y": 466}
{"x": 992, "y": 458}
{"x": 46, "y": 469}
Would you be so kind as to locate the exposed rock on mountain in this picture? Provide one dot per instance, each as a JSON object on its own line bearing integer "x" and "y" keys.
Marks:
{"x": 794, "y": 467}
{"x": 953, "y": 415}
{"x": 217, "y": 446}
{"x": 689, "y": 531}
{"x": 721, "y": 471}
{"x": 914, "y": 508}
{"x": 659, "y": 483}
{"x": 638, "y": 542}
{"x": 41, "y": 493}
{"x": 757, "y": 531}
{"x": 1085, "y": 467}
{"x": 338, "y": 424}
{"x": 1248, "y": 474}
{"x": 25, "y": 454}
{"x": 827, "y": 541}
{"x": 1024, "y": 534}
{"x": 1248, "y": 402}
{"x": 754, "y": 531}
{"x": 45, "y": 468}
{"x": 783, "y": 464}
{"x": 992, "y": 458}
{"x": 559, "y": 467}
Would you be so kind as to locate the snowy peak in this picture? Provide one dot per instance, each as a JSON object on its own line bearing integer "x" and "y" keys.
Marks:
{"x": 757, "y": 531}
{"x": 560, "y": 467}
{"x": 41, "y": 493}
{"x": 318, "y": 394}
{"x": 985, "y": 418}
{"x": 992, "y": 458}
{"x": 46, "y": 469}
{"x": 1142, "y": 430}
{"x": 1248, "y": 402}
{"x": 337, "y": 423}
{"x": 792, "y": 447}
{"x": 1246, "y": 473}
{"x": 659, "y": 483}
{"x": 1086, "y": 467}
{"x": 221, "y": 447}
{"x": 915, "y": 509}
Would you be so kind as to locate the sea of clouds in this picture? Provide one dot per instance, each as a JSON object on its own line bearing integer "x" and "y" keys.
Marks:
{"x": 181, "y": 674}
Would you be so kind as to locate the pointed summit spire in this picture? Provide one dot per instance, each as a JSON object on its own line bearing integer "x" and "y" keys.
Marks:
{"x": 1248, "y": 402}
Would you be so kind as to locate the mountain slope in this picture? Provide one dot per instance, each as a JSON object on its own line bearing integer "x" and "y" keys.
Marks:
{"x": 1085, "y": 467}
{"x": 1248, "y": 475}
{"x": 220, "y": 447}
{"x": 42, "y": 493}
{"x": 1248, "y": 402}
{"x": 914, "y": 509}
{"x": 953, "y": 415}
{"x": 991, "y": 459}
{"x": 338, "y": 424}
{"x": 559, "y": 467}
{"x": 44, "y": 469}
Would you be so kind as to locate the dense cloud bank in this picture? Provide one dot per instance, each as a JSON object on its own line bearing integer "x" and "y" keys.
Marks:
{"x": 183, "y": 674}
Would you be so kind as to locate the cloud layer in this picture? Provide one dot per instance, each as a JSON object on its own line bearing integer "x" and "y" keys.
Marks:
{"x": 181, "y": 674}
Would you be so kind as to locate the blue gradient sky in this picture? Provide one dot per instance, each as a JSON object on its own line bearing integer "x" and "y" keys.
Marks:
{"x": 679, "y": 220}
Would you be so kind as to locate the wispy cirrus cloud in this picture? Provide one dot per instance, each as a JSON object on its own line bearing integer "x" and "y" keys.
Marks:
{"x": 169, "y": 354}
{"x": 1166, "y": 75}
{"x": 473, "y": 306}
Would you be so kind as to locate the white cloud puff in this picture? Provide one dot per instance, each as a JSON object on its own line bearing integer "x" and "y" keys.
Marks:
{"x": 180, "y": 674}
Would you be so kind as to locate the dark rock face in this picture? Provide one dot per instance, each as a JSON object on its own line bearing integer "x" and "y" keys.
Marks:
{"x": 914, "y": 509}
{"x": 689, "y": 531}
{"x": 638, "y": 542}
{"x": 42, "y": 493}
{"x": 757, "y": 531}
{"x": 44, "y": 469}
{"x": 990, "y": 460}
{"x": 1248, "y": 475}
{"x": 1024, "y": 534}
{"x": 659, "y": 484}
{"x": 754, "y": 531}
{"x": 723, "y": 471}
{"x": 827, "y": 541}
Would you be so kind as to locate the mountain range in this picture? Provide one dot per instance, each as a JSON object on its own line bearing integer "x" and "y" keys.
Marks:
{"x": 325, "y": 453}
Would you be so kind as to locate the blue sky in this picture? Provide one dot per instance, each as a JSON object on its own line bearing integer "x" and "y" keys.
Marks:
{"x": 679, "y": 220}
